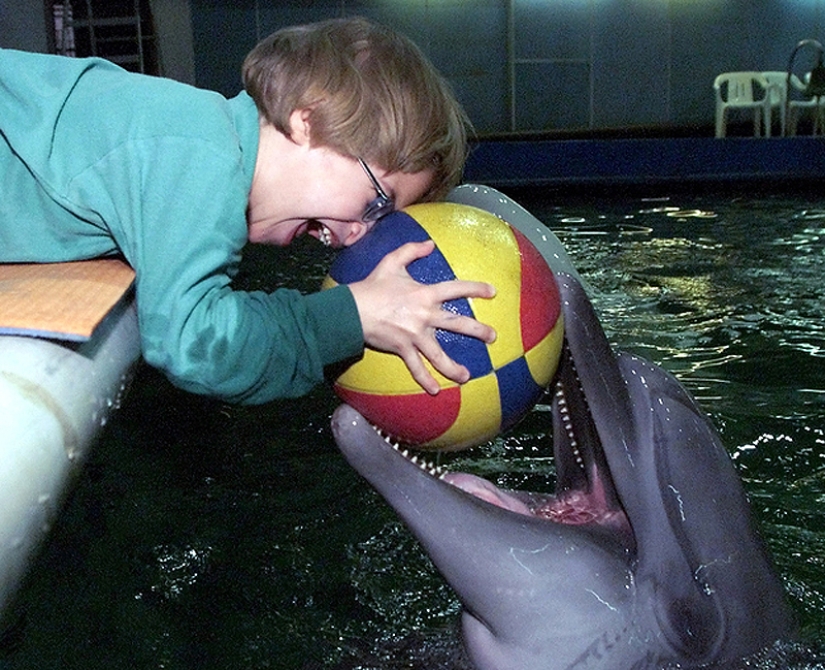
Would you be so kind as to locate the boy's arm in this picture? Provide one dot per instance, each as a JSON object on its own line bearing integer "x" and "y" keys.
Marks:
{"x": 183, "y": 236}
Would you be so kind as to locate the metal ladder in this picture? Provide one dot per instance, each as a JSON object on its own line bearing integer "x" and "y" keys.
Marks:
{"x": 110, "y": 29}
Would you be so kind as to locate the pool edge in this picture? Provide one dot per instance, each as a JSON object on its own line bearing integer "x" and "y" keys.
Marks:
{"x": 518, "y": 162}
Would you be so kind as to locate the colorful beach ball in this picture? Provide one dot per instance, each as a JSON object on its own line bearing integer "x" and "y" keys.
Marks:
{"x": 507, "y": 376}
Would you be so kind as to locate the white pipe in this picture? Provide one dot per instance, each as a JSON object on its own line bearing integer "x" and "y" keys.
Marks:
{"x": 54, "y": 400}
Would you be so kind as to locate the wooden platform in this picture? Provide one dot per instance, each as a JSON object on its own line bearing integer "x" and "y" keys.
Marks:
{"x": 60, "y": 300}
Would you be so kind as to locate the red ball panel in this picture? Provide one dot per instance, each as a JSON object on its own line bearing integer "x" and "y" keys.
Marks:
{"x": 416, "y": 418}
{"x": 540, "y": 299}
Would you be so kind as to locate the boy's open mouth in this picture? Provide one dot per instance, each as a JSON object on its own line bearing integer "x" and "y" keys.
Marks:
{"x": 321, "y": 232}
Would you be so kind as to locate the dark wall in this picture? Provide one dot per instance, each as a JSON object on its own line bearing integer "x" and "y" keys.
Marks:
{"x": 23, "y": 25}
{"x": 527, "y": 65}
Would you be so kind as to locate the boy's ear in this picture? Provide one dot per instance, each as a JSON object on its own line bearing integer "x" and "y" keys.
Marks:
{"x": 299, "y": 126}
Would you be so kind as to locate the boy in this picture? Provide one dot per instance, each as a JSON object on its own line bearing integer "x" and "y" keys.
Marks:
{"x": 341, "y": 122}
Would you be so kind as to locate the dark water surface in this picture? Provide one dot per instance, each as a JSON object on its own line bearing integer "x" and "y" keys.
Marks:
{"x": 202, "y": 535}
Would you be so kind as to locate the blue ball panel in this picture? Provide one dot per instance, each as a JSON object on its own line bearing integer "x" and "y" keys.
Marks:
{"x": 518, "y": 392}
{"x": 431, "y": 269}
{"x": 469, "y": 351}
{"x": 355, "y": 262}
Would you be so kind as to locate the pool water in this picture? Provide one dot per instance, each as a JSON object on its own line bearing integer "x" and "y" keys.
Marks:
{"x": 203, "y": 535}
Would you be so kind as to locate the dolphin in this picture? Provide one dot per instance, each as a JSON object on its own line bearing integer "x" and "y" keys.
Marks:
{"x": 644, "y": 556}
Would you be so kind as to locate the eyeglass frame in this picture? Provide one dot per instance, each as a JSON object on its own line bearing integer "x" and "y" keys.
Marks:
{"x": 379, "y": 206}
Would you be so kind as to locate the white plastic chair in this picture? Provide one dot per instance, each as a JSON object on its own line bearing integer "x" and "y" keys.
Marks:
{"x": 778, "y": 97}
{"x": 742, "y": 90}
{"x": 798, "y": 107}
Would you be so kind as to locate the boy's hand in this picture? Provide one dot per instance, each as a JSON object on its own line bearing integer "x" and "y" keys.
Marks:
{"x": 400, "y": 316}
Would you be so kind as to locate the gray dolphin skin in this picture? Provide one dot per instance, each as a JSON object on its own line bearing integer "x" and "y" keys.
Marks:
{"x": 645, "y": 556}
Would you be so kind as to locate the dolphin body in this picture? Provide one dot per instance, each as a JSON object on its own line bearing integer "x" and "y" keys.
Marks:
{"x": 644, "y": 557}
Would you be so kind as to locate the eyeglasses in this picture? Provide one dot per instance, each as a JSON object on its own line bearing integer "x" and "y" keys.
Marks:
{"x": 379, "y": 206}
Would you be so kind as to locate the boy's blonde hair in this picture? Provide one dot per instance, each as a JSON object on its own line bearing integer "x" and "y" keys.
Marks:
{"x": 371, "y": 92}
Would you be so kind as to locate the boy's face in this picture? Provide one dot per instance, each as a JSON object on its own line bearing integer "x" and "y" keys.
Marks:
{"x": 301, "y": 189}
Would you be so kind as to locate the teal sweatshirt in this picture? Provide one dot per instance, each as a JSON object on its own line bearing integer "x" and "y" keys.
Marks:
{"x": 96, "y": 161}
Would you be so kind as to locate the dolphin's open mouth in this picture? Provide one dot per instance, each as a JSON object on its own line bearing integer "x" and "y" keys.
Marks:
{"x": 585, "y": 494}
{"x": 586, "y": 407}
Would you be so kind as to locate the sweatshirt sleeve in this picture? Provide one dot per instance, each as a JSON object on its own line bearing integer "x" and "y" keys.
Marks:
{"x": 159, "y": 171}
{"x": 183, "y": 229}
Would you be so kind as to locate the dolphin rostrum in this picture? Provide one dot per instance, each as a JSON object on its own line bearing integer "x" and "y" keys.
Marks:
{"x": 645, "y": 556}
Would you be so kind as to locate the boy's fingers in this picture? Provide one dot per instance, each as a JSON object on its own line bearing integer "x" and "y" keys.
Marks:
{"x": 445, "y": 365}
{"x": 459, "y": 288}
{"x": 465, "y": 325}
{"x": 456, "y": 323}
{"x": 409, "y": 252}
{"x": 420, "y": 373}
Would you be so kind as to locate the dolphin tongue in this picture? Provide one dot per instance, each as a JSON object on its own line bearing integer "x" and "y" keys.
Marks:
{"x": 487, "y": 491}
{"x": 574, "y": 507}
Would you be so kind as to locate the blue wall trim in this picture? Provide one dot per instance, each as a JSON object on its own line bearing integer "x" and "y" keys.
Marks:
{"x": 522, "y": 162}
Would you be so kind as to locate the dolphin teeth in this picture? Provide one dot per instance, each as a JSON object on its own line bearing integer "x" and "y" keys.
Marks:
{"x": 434, "y": 471}
{"x": 566, "y": 419}
{"x": 387, "y": 437}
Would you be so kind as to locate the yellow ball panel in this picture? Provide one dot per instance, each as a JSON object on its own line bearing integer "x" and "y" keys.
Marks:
{"x": 328, "y": 283}
{"x": 387, "y": 372}
{"x": 478, "y": 420}
{"x": 481, "y": 247}
{"x": 379, "y": 370}
{"x": 543, "y": 358}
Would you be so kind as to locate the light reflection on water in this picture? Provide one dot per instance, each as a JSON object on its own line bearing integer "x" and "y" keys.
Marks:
{"x": 732, "y": 303}
{"x": 726, "y": 293}
{"x": 208, "y": 536}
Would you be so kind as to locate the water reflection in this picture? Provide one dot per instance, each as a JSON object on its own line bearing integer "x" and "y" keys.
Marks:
{"x": 726, "y": 293}
{"x": 208, "y": 536}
